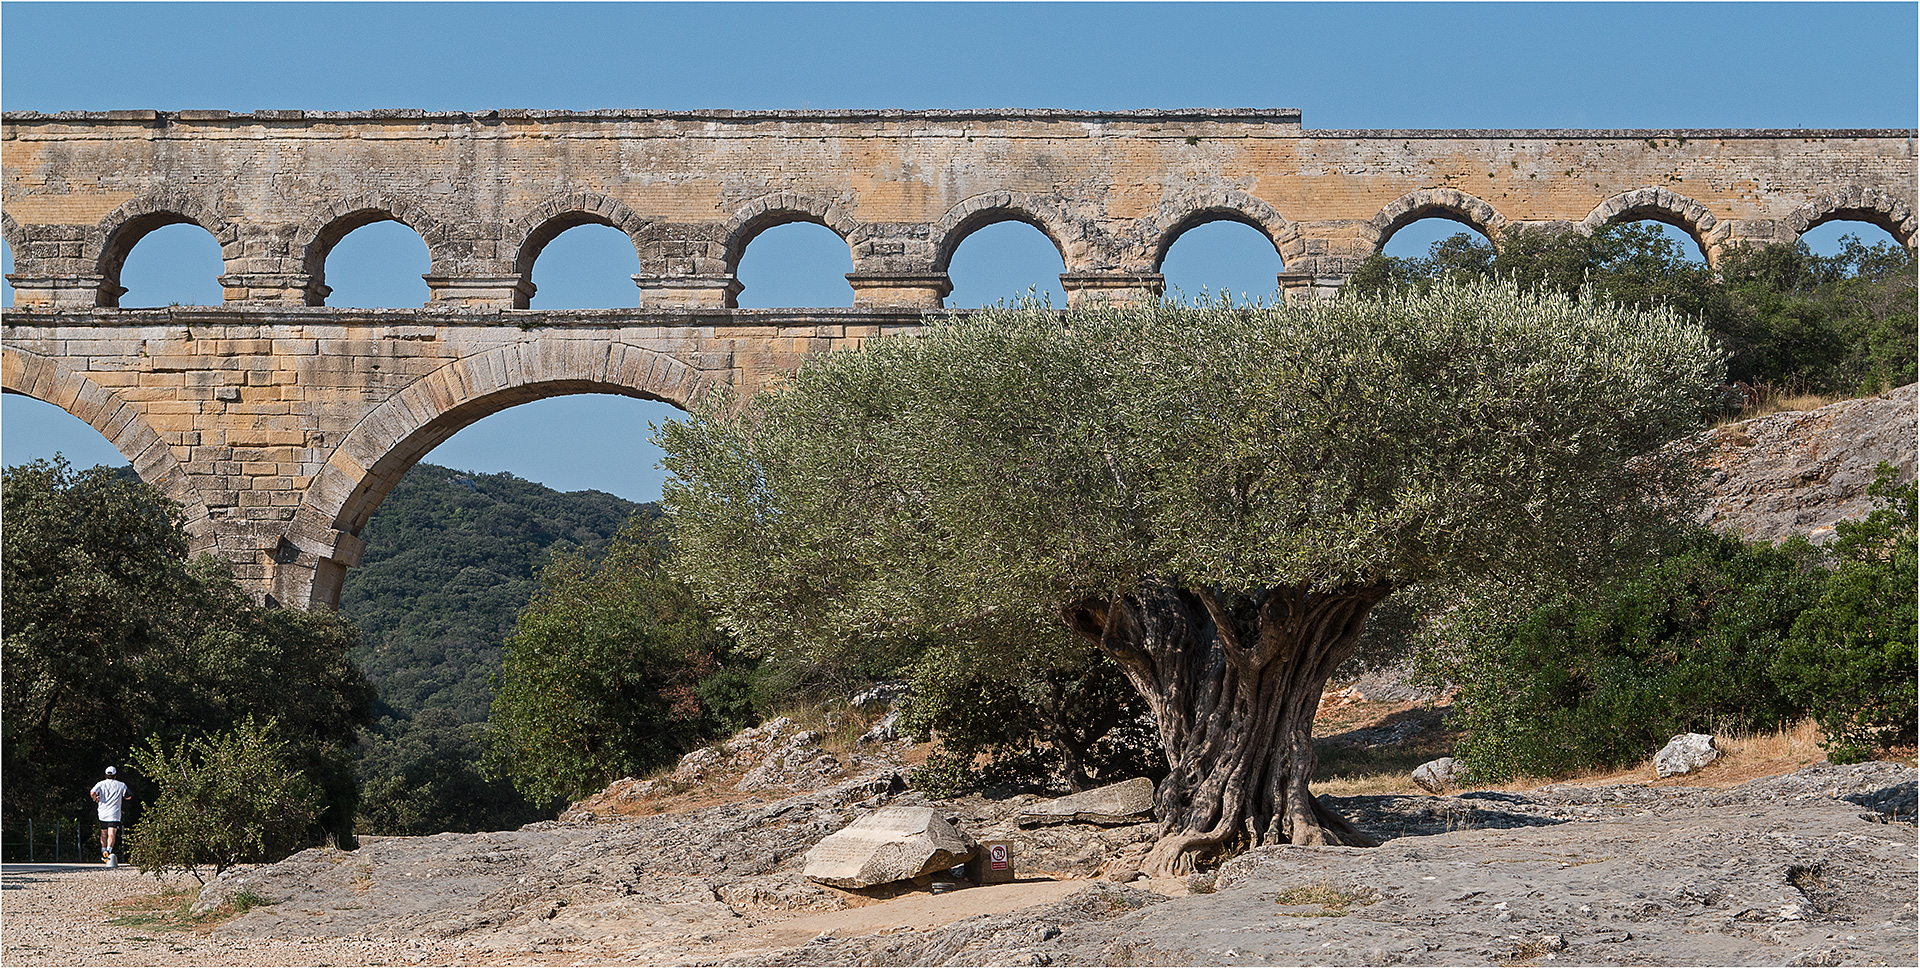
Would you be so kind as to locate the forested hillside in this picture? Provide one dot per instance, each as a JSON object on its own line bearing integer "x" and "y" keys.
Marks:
{"x": 450, "y": 561}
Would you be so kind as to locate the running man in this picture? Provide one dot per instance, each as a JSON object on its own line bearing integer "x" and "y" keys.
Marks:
{"x": 110, "y": 794}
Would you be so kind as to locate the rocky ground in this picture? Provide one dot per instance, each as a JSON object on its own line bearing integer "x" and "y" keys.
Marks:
{"x": 1815, "y": 867}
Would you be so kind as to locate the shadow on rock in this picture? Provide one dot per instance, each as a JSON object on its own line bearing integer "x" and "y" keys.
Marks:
{"x": 1389, "y": 816}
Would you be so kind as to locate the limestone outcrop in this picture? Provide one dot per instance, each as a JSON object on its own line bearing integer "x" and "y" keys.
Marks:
{"x": 1799, "y": 472}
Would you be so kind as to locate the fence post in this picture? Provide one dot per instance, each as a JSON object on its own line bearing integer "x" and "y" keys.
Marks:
{"x": 29, "y": 839}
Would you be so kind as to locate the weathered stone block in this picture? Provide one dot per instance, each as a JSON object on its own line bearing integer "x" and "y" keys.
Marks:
{"x": 892, "y": 844}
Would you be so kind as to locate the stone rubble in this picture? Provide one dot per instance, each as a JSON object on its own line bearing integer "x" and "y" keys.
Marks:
{"x": 1437, "y": 776}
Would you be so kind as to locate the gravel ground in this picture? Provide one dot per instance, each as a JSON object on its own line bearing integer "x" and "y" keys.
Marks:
{"x": 62, "y": 915}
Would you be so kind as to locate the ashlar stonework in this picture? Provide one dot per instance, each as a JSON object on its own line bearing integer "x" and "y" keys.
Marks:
{"x": 279, "y": 423}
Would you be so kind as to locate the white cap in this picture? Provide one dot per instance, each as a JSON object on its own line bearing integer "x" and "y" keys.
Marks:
{"x": 111, "y": 772}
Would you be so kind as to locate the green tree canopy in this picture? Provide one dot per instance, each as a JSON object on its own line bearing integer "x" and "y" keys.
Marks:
{"x": 112, "y": 634}
{"x": 1790, "y": 319}
{"x": 1216, "y": 496}
{"x": 611, "y": 671}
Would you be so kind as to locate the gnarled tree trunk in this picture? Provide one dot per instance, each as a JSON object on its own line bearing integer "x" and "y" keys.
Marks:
{"x": 1234, "y": 682}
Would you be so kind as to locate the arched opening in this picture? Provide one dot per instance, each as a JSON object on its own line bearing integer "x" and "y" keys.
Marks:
{"x": 1005, "y": 260}
{"x": 795, "y": 264}
{"x": 33, "y": 429}
{"x": 453, "y": 553}
{"x": 6, "y": 269}
{"x": 176, "y": 263}
{"x": 577, "y": 442}
{"x": 1419, "y": 238}
{"x": 1224, "y": 255}
{"x": 1828, "y": 238}
{"x": 1671, "y": 239}
{"x": 377, "y": 264}
{"x": 587, "y": 266}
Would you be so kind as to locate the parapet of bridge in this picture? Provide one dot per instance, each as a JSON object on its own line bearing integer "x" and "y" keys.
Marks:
{"x": 279, "y": 423}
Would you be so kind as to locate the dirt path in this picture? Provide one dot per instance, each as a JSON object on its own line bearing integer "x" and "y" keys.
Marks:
{"x": 66, "y": 915}
{"x": 88, "y": 915}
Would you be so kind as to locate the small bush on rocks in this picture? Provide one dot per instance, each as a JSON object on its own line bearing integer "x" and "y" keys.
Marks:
{"x": 225, "y": 798}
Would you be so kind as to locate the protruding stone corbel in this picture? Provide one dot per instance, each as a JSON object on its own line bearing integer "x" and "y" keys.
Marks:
{"x": 1303, "y": 286}
{"x": 499, "y": 292}
{"x": 287, "y": 289}
{"x": 700, "y": 291}
{"x": 1114, "y": 287}
{"x": 917, "y": 290}
{"x": 83, "y": 289}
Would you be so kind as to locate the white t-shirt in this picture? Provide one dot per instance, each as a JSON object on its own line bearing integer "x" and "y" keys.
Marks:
{"x": 111, "y": 793}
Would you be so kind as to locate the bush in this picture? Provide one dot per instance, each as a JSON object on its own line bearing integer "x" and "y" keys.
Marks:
{"x": 612, "y": 670}
{"x": 1601, "y": 679}
{"x": 1058, "y": 715}
{"x": 224, "y": 798}
{"x": 1850, "y": 659}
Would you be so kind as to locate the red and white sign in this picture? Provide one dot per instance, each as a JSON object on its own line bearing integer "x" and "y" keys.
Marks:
{"x": 997, "y": 858}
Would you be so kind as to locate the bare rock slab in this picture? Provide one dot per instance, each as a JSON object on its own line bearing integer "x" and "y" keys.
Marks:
{"x": 891, "y": 844}
{"x": 1127, "y": 802}
{"x": 1685, "y": 754}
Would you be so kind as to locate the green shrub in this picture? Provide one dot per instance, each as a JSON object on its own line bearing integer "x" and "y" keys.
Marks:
{"x": 1599, "y": 680}
{"x": 224, "y": 798}
{"x": 1850, "y": 659}
{"x": 610, "y": 672}
{"x": 1790, "y": 319}
{"x": 1062, "y": 715}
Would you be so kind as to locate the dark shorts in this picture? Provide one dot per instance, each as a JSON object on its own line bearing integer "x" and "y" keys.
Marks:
{"x": 109, "y": 824}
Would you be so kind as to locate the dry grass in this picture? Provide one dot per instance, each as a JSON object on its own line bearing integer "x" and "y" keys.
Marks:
{"x": 1346, "y": 771}
{"x": 1743, "y": 757}
{"x": 171, "y": 909}
{"x": 1333, "y": 902}
{"x": 1776, "y": 400}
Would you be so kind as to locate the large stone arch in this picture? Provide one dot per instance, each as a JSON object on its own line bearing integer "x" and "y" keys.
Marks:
{"x": 1660, "y": 205}
{"x": 46, "y": 379}
{"x": 1233, "y": 206}
{"x": 391, "y": 438}
{"x": 531, "y": 233}
{"x": 110, "y": 241}
{"x": 315, "y": 237}
{"x": 1856, "y": 203}
{"x": 781, "y": 208}
{"x": 980, "y": 211}
{"x": 1443, "y": 203}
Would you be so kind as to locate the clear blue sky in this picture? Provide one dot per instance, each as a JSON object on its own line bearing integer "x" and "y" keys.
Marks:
{"x": 1345, "y": 65}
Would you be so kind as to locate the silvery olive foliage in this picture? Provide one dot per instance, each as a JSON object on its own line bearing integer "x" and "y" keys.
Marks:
{"x": 1216, "y": 496}
{"x": 968, "y": 482}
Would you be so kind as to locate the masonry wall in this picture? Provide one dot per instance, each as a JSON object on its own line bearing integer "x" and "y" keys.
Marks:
{"x": 1113, "y": 190}
{"x": 280, "y": 423}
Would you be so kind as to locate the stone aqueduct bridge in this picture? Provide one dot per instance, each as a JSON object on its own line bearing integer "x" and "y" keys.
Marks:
{"x": 280, "y": 423}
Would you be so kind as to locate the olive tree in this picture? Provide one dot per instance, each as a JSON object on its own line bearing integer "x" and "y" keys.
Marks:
{"x": 1215, "y": 495}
